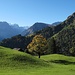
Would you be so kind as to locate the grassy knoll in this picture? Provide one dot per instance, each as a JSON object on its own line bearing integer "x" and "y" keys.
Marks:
{"x": 17, "y": 63}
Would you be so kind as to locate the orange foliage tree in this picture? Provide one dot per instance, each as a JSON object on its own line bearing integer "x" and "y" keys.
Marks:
{"x": 38, "y": 45}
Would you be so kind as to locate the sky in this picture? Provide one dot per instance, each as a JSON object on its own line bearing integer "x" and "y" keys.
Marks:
{"x": 28, "y": 12}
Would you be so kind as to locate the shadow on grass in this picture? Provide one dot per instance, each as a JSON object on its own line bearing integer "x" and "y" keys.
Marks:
{"x": 28, "y": 60}
{"x": 22, "y": 58}
{"x": 63, "y": 62}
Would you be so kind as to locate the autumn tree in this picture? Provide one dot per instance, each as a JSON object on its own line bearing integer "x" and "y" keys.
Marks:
{"x": 38, "y": 45}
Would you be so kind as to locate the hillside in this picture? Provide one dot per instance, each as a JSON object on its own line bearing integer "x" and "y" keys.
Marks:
{"x": 17, "y": 41}
{"x": 14, "y": 62}
{"x": 65, "y": 40}
{"x": 67, "y": 35}
{"x": 35, "y": 27}
{"x": 56, "y": 23}
{"x": 50, "y": 31}
{"x": 64, "y": 37}
{"x": 38, "y": 27}
{"x": 18, "y": 63}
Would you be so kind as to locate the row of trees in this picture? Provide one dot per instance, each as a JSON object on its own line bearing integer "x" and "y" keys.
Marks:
{"x": 17, "y": 41}
{"x": 38, "y": 45}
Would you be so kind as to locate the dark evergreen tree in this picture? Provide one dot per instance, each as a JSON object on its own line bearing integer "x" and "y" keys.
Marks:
{"x": 52, "y": 45}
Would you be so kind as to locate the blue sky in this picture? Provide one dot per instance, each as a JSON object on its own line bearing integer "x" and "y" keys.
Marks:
{"x": 27, "y": 12}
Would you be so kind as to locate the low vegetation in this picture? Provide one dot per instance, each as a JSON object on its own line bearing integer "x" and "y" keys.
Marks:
{"x": 18, "y": 63}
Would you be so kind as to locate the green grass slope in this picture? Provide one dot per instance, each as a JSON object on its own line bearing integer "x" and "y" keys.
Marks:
{"x": 61, "y": 65}
{"x": 17, "y": 63}
{"x": 13, "y": 62}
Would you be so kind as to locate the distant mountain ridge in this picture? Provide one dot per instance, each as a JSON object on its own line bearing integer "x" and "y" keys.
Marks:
{"x": 7, "y": 30}
{"x": 36, "y": 27}
{"x": 55, "y": 23}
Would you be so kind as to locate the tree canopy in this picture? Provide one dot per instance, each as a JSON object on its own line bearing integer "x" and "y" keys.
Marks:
{"x": 38, "y": 45}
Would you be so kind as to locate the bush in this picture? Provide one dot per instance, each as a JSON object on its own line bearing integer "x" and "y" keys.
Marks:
{"x": 72, "y": 51}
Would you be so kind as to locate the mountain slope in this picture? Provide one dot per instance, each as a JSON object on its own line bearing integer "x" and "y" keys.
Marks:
{"x": 7, "y": 31}
{"x": 17, "y": 56}
{"x": 17, "y": 41}
{"x": 65, "y": 39}
{"x": 64, "y": 36}
{"x": 38, "y": 27}
{"x": 50, "y": 31}
{"x": 18, "y": 28}
{"x": 55, "y": 23}
{"x": 34, "y": 28}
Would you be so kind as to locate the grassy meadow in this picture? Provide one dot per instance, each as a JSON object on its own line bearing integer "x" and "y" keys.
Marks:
{"x": 18, "y": 63}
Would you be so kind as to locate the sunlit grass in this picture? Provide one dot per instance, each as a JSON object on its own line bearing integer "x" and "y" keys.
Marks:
{"x": 18, "y": 63}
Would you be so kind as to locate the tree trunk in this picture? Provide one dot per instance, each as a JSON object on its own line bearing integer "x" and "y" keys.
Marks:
{"x": 39, "y": 54}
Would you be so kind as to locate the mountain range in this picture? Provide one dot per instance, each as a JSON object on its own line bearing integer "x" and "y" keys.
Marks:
{"x": 7, "y": 30}
{"x": 36, "y": 27}
{"x": 61, "y": 37}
